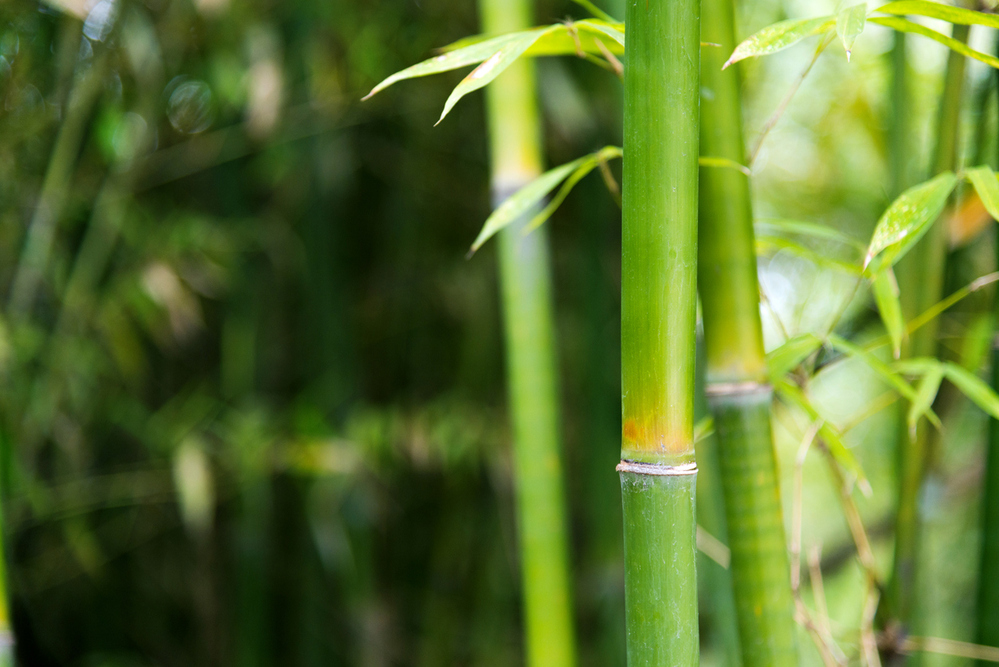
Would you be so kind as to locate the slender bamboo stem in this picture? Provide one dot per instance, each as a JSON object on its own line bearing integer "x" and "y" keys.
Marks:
{"x": 922, "y": 274}
{"x": 658, "y": 330}
{"x": 738, "y": 389}
{"x": 988, "y": 569}
{"x": 515, "y": 144}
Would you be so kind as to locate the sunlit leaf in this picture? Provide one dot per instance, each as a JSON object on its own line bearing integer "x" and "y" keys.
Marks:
{"x": 489, "y": 70}
{"x": 926, "y": 393}
{"x": 563, "y": 39}
{"x": 472, "y": 54}
{"x": 936, "y": 10}
{"x": 907, "y": 219}
{"x": 764, "y": 244}
{"x": 904, "y": 25}
{"x": 886, "y": 372}
{"x": 787, "y": 357}
{"x": 787, "y": 228}
{"x": 850, "y": 24}
{"x": 779, "y": 36}
{"x": 980, "y": 393}
{"x": 793, "y": 395}
{"x": 723, "y": 163}
{"x": 987, "y": 186}
{"x": 916, "y": 365}
{"x": 886, "y": 297}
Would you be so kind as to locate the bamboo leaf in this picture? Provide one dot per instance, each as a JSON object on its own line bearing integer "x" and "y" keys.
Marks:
{"x": 779, "y": 36}
{"x": 704, "y": 428}
{"x": 886, "y": 297}
{"x": 490, "y": 69}
{"x": 723, "y": 163}
{"x": 471, "y": 54}
{"x": 764, "y": 243}
{"x": 987, "y": 186}
{"x": 936, "y": 10}
{"x": 793, "y": 395}
{"x": 588, "y": 164}
{"x": 563, "y": 39}
{"x": 926, "y": 393}
{"x": 524, "y": 200}
{"x": 850, "y": 24}
{"x": 916, "y": 365}
{"x": 980, "y": 393}
{"x": 787, "y": 357}
{"x": 887, "y": 373}
{"x": 786, "y": 228}
{"x": 904, "y": 25}
{"x": 908, "y": 218}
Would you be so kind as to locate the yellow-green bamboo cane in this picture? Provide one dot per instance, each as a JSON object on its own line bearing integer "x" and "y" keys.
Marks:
{"x": 515, "y": 148}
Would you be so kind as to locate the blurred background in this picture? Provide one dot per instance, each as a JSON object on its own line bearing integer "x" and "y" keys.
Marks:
{"x": 253, "y": 404}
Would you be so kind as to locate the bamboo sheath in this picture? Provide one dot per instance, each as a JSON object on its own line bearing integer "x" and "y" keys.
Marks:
{"x": 515, "y": 147}
{"x": 658, "y": 330}
{"x": 737, "y": 385}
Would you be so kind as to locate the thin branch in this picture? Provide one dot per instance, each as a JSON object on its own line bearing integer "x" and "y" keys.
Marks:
{"x": 782, "y": 107}
{"x": 951, "y": 647}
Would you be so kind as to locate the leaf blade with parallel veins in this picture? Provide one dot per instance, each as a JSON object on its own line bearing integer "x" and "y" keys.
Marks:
{"x": 779, "y": 36}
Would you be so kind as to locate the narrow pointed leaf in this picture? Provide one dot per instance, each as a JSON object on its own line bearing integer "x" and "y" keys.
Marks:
{"x": 586, "y": 165}
{"x": 908, "y": 218}
{"x": 779, "y": 36}
{"x": 764, "y": 244}
{"x": 904, "y": 25}
{"x": 723, "y": 163}
{"x": 561, "y": 39}
{"x": 850, "y": 24}
{"x": 926, "y": 393}
{"x": 524, "y": 200}
{"x": 787, "y": 357}
{"x": 471, "y": 54}
{"x": 789, "y": 228}
{"x": 916, "y": 365}
{"x": 490, "y": 69}
{"x": 886, "y": 297}
{"x": 987, "y": 186}
{"x": 886, "y": 372}
{"x": 980, "y": 393}
{"x": 793, "y": 395}
{"x": 936, "y": 10}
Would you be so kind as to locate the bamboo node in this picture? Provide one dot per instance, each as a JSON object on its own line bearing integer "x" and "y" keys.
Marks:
{"x": 657, "y": 469}
{"x": 737, "y": 388}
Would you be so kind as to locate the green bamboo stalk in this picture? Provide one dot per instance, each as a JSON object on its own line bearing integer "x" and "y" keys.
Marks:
{"x": 515, "y": 145}
{"x": 987, "y": 631}
{"x": 921, "y": 273}
{"x": 738, "y": 389}
{"x": 41, "y": 230}
{"x": 658, "y": 330}
{"x": 899, "y": 129}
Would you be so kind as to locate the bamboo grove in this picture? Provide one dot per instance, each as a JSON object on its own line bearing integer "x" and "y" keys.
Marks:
{"x": 673, "y": 249}
{"x": 715, "y": 383}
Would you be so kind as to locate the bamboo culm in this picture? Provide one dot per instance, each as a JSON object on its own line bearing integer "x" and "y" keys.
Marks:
{"x": 515, "y": 147}
{"x": 738, "y": 387}
{"x": 658, "y": 331}
{"x": 988, "y": 570}
{"x": 922, "y": 272}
